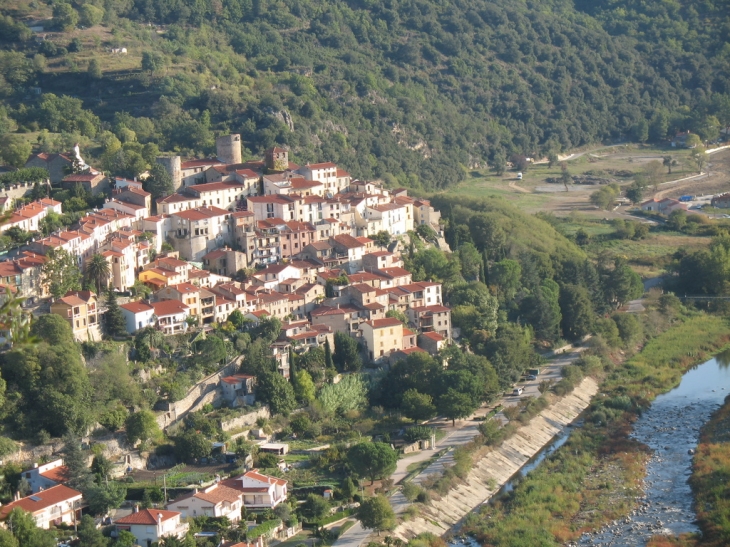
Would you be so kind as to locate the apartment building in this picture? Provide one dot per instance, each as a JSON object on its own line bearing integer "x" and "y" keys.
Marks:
{"x": 201, "y": 230}
{"x": 52, "y": 507}
{"x": 259, "y": 491}
{"x": 80, "y": 310}
{"x": 171, "y": 316}
{"x": 382, "y": 336}
{"x": 28, "y": 217}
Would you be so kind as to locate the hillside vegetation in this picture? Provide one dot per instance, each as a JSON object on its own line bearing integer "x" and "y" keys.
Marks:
{"x": 416, "y": 90}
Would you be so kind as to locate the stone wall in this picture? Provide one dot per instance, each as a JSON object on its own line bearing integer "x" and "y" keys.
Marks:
{"x": 245, "y": 420}
{"x": 496, "y": 468}
{"x": 207, "y": 391}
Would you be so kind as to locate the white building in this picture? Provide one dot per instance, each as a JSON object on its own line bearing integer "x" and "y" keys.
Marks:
{"x": 43, "y": 477}
{"x": 29, "y": 216}
{"x": 259, "y": 491}
{"x": 138, "y": 315}
{"x": 57, "y": 505}
{"x": 148, "y": 526}
{"x": 171, "y": 316}
{"x": 216, "y": 500}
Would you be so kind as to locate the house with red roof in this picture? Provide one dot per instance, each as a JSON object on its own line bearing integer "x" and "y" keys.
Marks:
{"x": 216, "y": 501}
{"x": 138, "y": 315}
{"x": 52, "y": 507}
{"x": 238, "y": 389}
{"x": 201, "y": 230}
{"x": 435, "y": 318}
{"x": 45, "y": 476}
{"x": 259, "y": 491}
{"x": 148, "y": 526}
{"x": 171, "y": 316}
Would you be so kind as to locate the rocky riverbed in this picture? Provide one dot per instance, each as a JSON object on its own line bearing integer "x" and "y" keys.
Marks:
{"x": 670, "y": 428}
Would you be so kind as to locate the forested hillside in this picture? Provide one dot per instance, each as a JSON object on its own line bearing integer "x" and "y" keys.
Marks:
{"x": 418, "y": 90}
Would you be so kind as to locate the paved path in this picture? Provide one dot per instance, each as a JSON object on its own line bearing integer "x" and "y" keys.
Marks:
{"x": 458, "y": 435}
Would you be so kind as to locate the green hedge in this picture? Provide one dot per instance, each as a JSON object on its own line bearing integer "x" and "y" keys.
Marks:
{"x": 332, "y": 518}
{"x": 262, "y": 529}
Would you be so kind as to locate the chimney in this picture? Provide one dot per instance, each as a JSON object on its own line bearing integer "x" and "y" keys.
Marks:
{"x": 136, "y": 509}
{"x": 159, "y": 518}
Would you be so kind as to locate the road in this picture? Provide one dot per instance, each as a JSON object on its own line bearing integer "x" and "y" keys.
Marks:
{"x": 458, "y": 435}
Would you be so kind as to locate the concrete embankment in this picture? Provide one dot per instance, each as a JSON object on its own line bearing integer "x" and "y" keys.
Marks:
{"x": 492, "y": 471}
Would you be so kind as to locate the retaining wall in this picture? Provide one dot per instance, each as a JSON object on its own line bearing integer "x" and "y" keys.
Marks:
{"x": 496, "y": 468}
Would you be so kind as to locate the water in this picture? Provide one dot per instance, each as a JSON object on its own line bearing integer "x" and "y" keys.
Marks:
{"x": 670, "y": 428}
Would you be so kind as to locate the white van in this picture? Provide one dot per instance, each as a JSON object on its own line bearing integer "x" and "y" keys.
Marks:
{"x": 519, "y": 176}
{"x": 517, "y": 391}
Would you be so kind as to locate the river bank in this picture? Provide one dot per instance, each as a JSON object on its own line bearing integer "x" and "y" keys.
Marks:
{"x": 597, "y": 477}
{"x": 496, "y": 468}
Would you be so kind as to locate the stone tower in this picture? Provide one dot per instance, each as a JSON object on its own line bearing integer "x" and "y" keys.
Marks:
{"x": 228, "y": 148}
{"x": 173, "y": 165}
{"x": 277, "y": 159}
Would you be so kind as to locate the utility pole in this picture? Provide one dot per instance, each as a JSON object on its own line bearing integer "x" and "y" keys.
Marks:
{"x": 164, "y": 486}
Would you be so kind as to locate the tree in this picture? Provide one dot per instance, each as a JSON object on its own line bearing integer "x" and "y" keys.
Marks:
{"x": 347, "y": 353}
{"x": 328, "y": 362}
{"x": 153, "y": 61}
{"x": 114, "y": 322}
{"x": 94, "y": 68}
{"x": 605, "y": 196}
{"x": 90, "y": 15}
{"x": 506, "y": 275}
{"x": 699, "y": 155}
{"x": 141, "y": 426}
{"x": 14, "y": 150}
{"x": 211, "y": 351}
{"x": 471, "y": 261}
{"x": 104, "y": 497}
{"x": 52, "y": 329}
{"x": 399, "y": 315}
{"x": 26, "y": 531}
{"x": 304, "y": 388}
{"x": 274, "y": 390}
{"x": 348, "y": 489}
{"x": 7, "y": 539}
{"x": 382, "y": 238}
{"x": 418, "y": 406}
{"x": 78, "y": 475}
{"x": 97, "y": 271}
{"x": 677, "y": 219}
{"x": 90, "y": 535}
{"x": 315, "y": 507}
{"x": 499, "y": 162}
{"x": 159, "y": 183}
{"x": 552, "y": 159}
{"x": 667, "y": 162}
{"x": 65, "y": 17}
{"x": 455, "y": 405}
{"x": 577, "y": 311}
{"x": 372, "y": 460}
{"x": 237, "y": 319}
{"x": 377, "y": 514}
{"x": 635, "y": 192}
{"x": 653, "y": 172}
{"x": 191, "y": 445}
{"x": 60, "y": 272}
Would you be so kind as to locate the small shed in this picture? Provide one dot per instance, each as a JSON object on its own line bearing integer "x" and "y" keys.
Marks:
{"x": 275, "y": 448}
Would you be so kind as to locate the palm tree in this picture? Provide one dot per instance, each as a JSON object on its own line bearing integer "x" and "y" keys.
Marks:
{"x": 97, "y": 271}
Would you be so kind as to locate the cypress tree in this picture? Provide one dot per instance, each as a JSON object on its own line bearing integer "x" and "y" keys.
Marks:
{"x": 328, "y": 362}
{"x": 113, "y": 318}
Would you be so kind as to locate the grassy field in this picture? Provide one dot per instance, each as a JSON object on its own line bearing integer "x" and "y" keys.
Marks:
{"x": 533, "y": 193}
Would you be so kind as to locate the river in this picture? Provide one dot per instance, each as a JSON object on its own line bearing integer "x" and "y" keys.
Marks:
{"x": 670, "y": 428}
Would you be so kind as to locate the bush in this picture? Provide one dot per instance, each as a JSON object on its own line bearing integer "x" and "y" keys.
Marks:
{"x": 418, "y": 433}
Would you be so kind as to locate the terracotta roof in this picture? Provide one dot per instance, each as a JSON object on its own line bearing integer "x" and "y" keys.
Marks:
{"x": 147, "y": 516}
{"x": 42, "y": 500}
{"x": 234, "y": 379}
{"x": 71, "y": 300}
{"x": 200, "y": 213}
{"x": 219, "y": 494}
{"x": 435, "y": 336}
{"x": 247, "y": 173}
{"x": 327, "y": 310}
{"x": 169, "y": 307}
{"x": 191, "y": 164}
{"x": 384, "y": 323}
{"x": 215, "y": 186}
{"x": 433, "y": 309}
{"x": 57, "y": 474}
{"x": 81, "y": 177}
{"x": 347, "y": 241}
{"x": 136, "y": 307}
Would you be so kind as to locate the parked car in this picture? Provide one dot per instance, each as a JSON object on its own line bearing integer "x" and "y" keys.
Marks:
{"x": 532, "y": 377}
{"x": 517, "y": 391}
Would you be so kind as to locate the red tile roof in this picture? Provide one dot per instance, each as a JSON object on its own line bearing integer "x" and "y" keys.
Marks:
{"x": 136, "y": 307}
{"x": 57, "y": 474}
{"x": 384, "y": 323}
{"x": 169, "y": 307}
{"x": 147, "y": 516}
{"x": 42, "y": 500}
